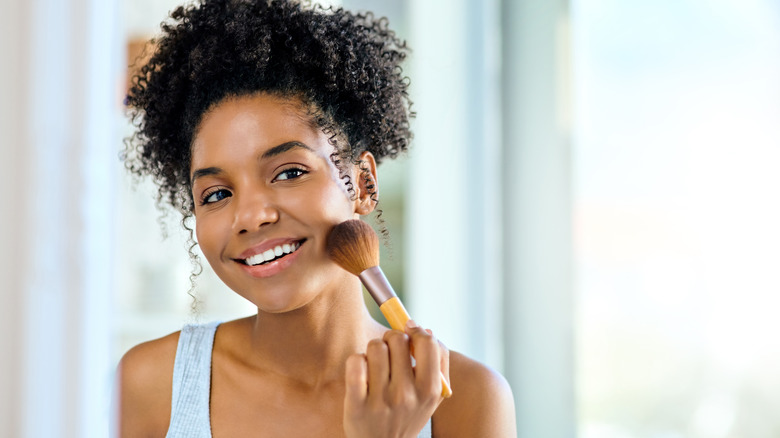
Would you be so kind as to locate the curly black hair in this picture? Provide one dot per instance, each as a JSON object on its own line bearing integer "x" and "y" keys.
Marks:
{"x": 344, "y": 67}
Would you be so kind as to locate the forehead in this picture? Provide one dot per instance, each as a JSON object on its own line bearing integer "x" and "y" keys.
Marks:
{"x": 250, "y": 124}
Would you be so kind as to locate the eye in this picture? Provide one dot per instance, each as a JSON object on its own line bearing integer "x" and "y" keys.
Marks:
{"x": 215, "y": 196}
{"x": 290, "y": 173}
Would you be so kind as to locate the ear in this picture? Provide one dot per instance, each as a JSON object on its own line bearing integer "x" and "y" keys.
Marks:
{"x": 367, "y": 184}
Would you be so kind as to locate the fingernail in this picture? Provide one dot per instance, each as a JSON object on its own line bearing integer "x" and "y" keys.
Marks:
{"x": 411, "y": 324}
{"x": 430, "y": 332}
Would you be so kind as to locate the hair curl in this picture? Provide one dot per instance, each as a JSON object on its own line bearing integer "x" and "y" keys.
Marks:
{"x": 344, "y": 67}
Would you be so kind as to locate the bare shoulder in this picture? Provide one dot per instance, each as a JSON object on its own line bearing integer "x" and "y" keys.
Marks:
{"x": 145, "y": 376}
{"x": 481, "y": 402}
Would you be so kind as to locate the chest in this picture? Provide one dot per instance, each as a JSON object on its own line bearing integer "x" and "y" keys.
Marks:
{"x": 268, "y": 406}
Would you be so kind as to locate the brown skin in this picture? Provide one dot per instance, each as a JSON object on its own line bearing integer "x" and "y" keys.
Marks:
{"x": 312, "y": 362}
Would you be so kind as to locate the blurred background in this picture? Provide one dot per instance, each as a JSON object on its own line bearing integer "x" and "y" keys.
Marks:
{"x": 590, "y": 206}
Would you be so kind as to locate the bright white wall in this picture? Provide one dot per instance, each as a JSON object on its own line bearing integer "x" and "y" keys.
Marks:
{"x": 677, "y": 244}
{"x": 59, "y": 150}
{"x": 536, "y": 186}
{"x": 12, "y": 105}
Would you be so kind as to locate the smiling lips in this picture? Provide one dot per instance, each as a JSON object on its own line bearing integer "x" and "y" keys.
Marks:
{"x": 269, "y": 258}
{"x": 272, "y": 254}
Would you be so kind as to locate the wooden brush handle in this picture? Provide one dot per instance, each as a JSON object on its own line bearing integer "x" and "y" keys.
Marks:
{"x": 397, "y": 316}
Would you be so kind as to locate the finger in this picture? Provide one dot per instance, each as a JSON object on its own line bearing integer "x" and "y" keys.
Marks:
{"x": 378, "y": 359}
{"x": 400, "y": 357}
{"x": 356, "y": 381}
{"x": 427, "y": 357}
{"x": 444, "y": 363}
{"x": 444, "y": 352}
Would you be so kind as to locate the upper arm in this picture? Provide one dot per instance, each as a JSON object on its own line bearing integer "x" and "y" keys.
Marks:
{"x": 145, "y": 376}
{"x": 481, "y": 403}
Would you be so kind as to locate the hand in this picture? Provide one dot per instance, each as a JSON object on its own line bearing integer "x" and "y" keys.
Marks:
{"x": 385, "y": 395}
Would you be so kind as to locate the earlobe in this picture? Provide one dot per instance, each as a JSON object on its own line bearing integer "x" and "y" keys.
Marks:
{"x": 368, "y": 193}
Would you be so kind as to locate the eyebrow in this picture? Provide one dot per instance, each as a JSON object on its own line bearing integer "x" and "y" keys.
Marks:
{"x": 207, "y": 171}
{"x": 274, "y": 151}
{"x": 284, "y": 147}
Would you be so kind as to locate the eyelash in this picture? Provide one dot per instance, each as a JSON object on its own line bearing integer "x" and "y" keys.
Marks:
{"x": 300, "y": 172}
{"x": 210, "y": 193}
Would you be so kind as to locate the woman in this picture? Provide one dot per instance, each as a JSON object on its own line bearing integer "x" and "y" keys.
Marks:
{"x": 265, "y": 120}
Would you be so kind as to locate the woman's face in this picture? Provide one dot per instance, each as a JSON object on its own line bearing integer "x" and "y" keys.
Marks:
{"x": 266, "y": 195}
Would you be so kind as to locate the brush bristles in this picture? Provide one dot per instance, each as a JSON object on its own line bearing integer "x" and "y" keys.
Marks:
{"x": 354, "y": 245}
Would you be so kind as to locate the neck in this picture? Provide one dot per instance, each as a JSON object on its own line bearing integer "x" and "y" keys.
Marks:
{"x": 312, "y": 343}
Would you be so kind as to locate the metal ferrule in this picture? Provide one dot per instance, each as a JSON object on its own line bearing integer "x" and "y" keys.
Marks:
{"x": 377, "y": 285}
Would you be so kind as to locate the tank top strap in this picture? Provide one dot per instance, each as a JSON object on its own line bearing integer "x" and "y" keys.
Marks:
{"x": 427, "y": 431}
{"x": 192, "y": 382}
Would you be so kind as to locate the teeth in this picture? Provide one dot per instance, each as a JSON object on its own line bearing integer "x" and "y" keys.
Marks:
{"x": 255, "y": 260}
{"x": 271, "y": 254}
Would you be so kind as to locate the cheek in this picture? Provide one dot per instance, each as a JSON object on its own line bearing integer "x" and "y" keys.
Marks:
{"x": 334, "y": 205}
{"x": 325, "y": 201}
{"x": 207, "y": 235}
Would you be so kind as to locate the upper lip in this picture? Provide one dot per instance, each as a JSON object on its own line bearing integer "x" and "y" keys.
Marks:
{"x": 266, "y": 245}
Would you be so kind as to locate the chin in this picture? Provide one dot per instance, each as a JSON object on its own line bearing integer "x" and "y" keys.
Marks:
{"x": 276, "y": 302}
{"x": 281, "y": 295}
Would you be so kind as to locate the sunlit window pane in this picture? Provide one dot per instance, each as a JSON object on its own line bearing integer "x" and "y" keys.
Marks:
{"x": 677, "y": 241}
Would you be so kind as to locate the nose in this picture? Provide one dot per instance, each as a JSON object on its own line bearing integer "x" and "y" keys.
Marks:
{"x": 253, "y": 211}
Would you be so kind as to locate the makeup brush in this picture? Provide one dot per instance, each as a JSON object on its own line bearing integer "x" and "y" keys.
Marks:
{"x": 354, "y": 245}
